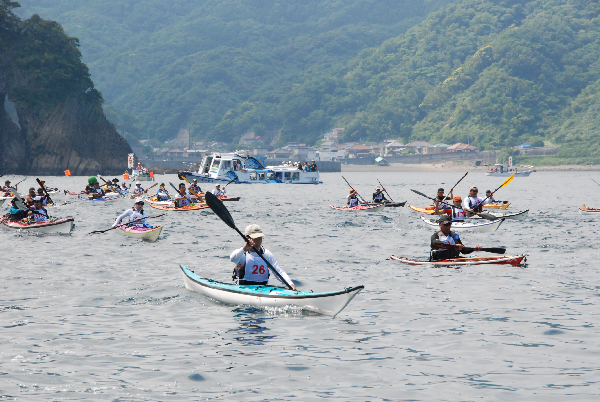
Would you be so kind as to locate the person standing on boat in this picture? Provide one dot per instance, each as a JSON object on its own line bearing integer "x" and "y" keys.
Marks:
{"x": 218, "y": 191}
{"x": 138, "y": 190}
{"x": 313, "y": 167}
{"x": 135, "y": 214}
{"x": 446, "y": 243}
{"x": 473, "y": 204}
{"x": 250, "y": 269}
{"x": 37, "y": 212}
{"x": 378, "y": 196}
{"x": 162, "y": 194}
{"x": 489, "y": 198}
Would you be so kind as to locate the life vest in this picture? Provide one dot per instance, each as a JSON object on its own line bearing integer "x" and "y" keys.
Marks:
{"x": 138, "y": 190}
{"x": 39, "y": 215}
{"x": 196, "y": 189}
{"x": 162, "y": 195}
{"x": 182, "y": 202}
{"x": 458, "y": 214}
{"x": 353, "y": 202}
{"x": 254, "y": 269}
{"x": 448, "y": 239}
{"x": 378, "y": 196}
{"x": 475, "y": 203}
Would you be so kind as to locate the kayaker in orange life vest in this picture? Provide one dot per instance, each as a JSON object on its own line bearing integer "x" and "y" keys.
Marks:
{"x": 446, "y": 243}
{"x": 250, "y": 269}
{"x": 455, "y": 212}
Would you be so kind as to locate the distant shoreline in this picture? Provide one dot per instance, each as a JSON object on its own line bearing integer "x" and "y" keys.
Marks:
{"x": 454, "y": 167}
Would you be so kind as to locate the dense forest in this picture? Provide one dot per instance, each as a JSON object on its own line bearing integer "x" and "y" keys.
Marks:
{"x": 495, "y": 73}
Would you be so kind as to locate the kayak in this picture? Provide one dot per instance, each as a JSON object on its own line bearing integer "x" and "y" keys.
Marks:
{"x": 583, "y": 211}
{"x": 426, "y": 210}
{"x": 515, "y": 216}
{"x": 53, "y": 225}
{"x": 108, "y": 197}
{"x": 370, "y": 208}
{"x": 393, "y": 204}
{"x": 482, "y": 226}
{"x": 170, "y": 206}
{"x": 503, "y": 259}
{"x": 150, "y": 234}
{"x": 330, "y": 303}
{"x": 223, "y": 198}
{"x": 499, "y": 205}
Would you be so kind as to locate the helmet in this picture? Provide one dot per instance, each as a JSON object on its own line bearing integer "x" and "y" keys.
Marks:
{"x": 92, "y": 180}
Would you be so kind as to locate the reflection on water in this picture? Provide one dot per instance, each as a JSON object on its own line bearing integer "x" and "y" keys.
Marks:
{"x": 252, "y": 330}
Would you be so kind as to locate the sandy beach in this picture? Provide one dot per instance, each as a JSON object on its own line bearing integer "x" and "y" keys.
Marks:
{"x": 452, "y": 166}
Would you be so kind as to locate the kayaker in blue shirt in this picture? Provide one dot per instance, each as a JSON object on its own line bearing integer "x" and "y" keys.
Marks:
{"x": 162, "y": 194}
{"x": 16, "y": 214}
{"x": 250, "y": 268}
{"x": 378, "y": 196}
{"x": 445, "y": 243}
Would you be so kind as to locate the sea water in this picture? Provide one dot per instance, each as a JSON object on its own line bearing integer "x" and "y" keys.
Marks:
{"x": 106, "y": 317}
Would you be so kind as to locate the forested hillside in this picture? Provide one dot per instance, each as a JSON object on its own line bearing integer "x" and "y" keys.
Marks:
{"x": 223, "y": 67}
{"x": 495, "y": 73}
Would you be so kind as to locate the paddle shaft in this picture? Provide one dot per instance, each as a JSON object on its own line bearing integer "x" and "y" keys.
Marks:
{"x": 44, "y": 188}
{"x": 421, "y": 194}
{"x": 596, "y": 182}
{"x": 388, "y": 194}
{"x": 449, "y": 192}
{"x": 125, "y": 224}
{"x": 146, "y": 190}
{"x": 501, "y": 185}
{"x": 221, "y": 211}
{"x": 468, "y": 250}
{"x": 359, "y": 196}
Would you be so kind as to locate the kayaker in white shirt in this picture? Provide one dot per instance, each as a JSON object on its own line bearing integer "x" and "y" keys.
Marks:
{"x": 183, "y": 198}
{"x": 489, "y": 198}
{"x": 135, "y": 214}
{"x": 250, "y": 269}
{"x": 38, "y": 213}
{"x": 138, "y": 190}
{"x": 218, "y": 192}
{"x": 473, "y": 204}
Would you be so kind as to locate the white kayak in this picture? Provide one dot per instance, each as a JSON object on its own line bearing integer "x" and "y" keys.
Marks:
{"x": 370, "y": 208}
{"x": 53, "y": 225}
{"x": 330, "y": 303}
{"x": 482, "y": 226}
{"x": 515, "y": 216}
{"x": 150, "y": 234}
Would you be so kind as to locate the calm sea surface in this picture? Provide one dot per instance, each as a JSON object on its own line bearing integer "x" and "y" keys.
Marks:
{"x": 105, "y": 317}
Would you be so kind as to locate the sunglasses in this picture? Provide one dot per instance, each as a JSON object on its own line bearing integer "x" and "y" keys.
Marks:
{"x": 140, "y": 203}
{"x": 447, "y": 224}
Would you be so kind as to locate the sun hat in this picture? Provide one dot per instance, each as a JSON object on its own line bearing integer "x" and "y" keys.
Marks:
{"x": 457, "y": 198}
{"x": 138, "y": 200}
{"x": 444, "y": 218}
{"x": 253, "y": 231}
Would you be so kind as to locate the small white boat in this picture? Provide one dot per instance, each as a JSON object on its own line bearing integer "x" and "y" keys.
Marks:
{"x": 149, "y": 234}
{"x": 481, "y": 226}
{"x": 330, "y": 303}
{"x": 53, "y": 225}
{"x": 501, "y": 171}
{"x": 225, "y": 167}
{"x": 589, "y": 211}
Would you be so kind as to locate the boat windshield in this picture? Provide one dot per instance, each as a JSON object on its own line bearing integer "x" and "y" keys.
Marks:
{"x": 216, "y": 164}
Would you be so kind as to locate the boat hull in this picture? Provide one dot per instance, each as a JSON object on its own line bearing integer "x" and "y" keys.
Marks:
{"x": 170, "y": 206}
{"x": 329, "y": 303}
{"x": 589, "y": 211}
{"x": 369, "y": 208}
{"x": 141, "y": 232}
{"x": 497, "y": 260}
{"x": 497, "y": 206}
{"x": 483, "y": 226}
{"x": 508, "y": 174}
{"x": 394, "y": 204}
{"x": 62, "y": 226}
{"x": 85, "y": 197}
{"x": 514, "y": 216}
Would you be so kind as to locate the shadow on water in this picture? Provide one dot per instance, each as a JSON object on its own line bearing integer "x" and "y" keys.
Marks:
{"x": 252, "y": 330}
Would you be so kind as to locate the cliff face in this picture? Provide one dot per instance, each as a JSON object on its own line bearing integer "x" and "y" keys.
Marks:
{"x": 52, "y": 117}
{"x": 74, "y": 135}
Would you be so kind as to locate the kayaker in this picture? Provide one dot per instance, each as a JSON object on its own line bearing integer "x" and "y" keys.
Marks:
{"x": 162, "y": 194}
{"x": 442, "y": 198}
{"x": 250, "y": 269}
{"x": 489, "y": 198}
{"x": 195, "y": 188}
{"x": 137, "y": 215}
{"x": 37, "y": 212}
{"x": 446, "y": 243}
{"x": 40, "y": 193}
{"x": 218, "y": 191}
{"x": 97, "y": 192}
{"x": 7, "y": 187}
{"x": 473, "y": 204}
{"x": 30, "y": 196}
{"x": 353, "y": 200}
{"x": 455, "y": 211}
{"x": 183, "y": 198}
{"x": 116, "y": 186}
{"x": 378, "y": 196}
{"x": 138, "y": 190}
{"x": 16, "y": 214}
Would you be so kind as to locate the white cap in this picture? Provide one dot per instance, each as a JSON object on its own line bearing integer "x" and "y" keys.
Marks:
{"x": 139, "y": 199}
{"x": 137, "y": 182}
{"x": 253, "y": 231}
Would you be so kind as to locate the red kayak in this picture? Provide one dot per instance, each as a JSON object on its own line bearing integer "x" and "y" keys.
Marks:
{"x": 504, "y": 259}
{"x": 371, "y": 208}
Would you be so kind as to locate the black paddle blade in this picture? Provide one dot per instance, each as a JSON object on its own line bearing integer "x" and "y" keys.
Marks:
{"x": 421, "y": 194}
{"x": 487, "y": 216}
{"x": 219, "y": 209}
{"x": 497, "y": 250}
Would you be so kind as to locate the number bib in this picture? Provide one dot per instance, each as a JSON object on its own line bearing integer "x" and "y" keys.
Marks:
{"x": 256, "y": 270}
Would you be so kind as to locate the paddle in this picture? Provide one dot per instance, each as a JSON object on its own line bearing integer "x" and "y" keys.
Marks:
{"x": 501, "y": 185}
{"x": 221, "y": 211}
{"x": 124, "y": 224}
{"x": 595, "y": 181}
{"x": 487, "y": 216}
{"x": 469, "y": 250}
{"x": 45, "y": 192}
{"x": 388, "y": 194}
{"x": 229, "y": 183}
{"x": 359, "y": 196}
{"x": 450, "y": 192}
{"x": 146, "y": 190}
{"x": 420, "y": 193}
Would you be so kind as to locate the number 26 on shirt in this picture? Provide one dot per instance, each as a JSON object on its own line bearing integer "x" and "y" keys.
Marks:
{"x": 258, "y": 270}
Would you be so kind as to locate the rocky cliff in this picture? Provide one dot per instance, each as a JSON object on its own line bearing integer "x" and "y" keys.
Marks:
{"x": 52, "y": 119}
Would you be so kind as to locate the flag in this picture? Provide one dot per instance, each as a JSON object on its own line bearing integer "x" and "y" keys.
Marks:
{"x": 67, "y": 172}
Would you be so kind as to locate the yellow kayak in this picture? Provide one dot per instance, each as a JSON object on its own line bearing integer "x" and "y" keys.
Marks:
{"x": 497, "y": 206}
